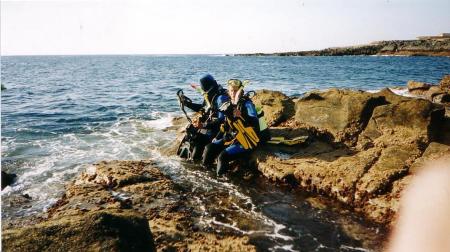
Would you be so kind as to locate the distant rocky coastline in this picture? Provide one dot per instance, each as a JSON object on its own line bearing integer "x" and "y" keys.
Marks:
{"x": 420, "y": 47}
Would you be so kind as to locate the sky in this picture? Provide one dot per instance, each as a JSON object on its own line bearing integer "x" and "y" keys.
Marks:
{"x": 211, "y": 26}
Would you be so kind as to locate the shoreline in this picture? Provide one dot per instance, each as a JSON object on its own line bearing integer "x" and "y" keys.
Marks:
{"x": 365, "y": 149}
{"x": 432, "y": 48}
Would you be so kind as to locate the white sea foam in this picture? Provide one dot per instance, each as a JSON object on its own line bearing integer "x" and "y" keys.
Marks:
{"x": 272, "y": 229}
{"x": 398, "y": 91}
{"x": 285, "y": 248}
{"x": 43, "y": 176}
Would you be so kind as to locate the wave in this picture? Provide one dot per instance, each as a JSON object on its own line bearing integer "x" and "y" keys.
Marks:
{"x": 62, "y": 157}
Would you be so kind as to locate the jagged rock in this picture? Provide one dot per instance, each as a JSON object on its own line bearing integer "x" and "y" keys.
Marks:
{"x": 8, "y": 179}
{"x": 132, "y": 187}
{"x": 277, "y": 106}
{"x": 418, "y": 88}
{"x": 96, "y": 231}
{"x": 391, "y": 131}
{"x": 392, "y": 163}
{"x": 434, "y": 151}
{"x": 384, "y": 135}
{"x": 118, "y": 174}
{"x": 383, "y": 208}
{"x": 409, "y": 122}
{"x": 340, "y": 114}
{"x": 432, "y": 92}
{"x": 444, "y": 84}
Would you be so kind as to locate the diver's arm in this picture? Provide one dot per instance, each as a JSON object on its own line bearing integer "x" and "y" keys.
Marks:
{"x": 220, "y": 115}
{"x": 194, "y": 106}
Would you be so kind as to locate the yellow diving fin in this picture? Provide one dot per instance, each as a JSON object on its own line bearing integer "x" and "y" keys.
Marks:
{"x": 290, "y": 142}
{"x": 246, "y": 136}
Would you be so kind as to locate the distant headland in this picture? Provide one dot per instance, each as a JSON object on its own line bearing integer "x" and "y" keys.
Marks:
{"x": 422, "y": 46}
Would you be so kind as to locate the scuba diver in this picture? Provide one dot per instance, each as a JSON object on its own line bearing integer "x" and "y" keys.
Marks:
{"x": 200, "y": 132}
{"x": 238, "y": 134}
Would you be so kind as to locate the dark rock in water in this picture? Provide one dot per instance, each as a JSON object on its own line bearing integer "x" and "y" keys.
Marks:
{"x": 7, "y": 179}
{"x": 3, "y": 87}
{"x": 98, "y": 231}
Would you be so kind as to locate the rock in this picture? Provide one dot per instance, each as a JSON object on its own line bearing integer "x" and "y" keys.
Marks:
{"x": 383, "y": 208}
{"x": 97, "y": 231}
{"x": 3, "y": 87}
{"x": 416, "y": 87}
{"x": 140, "y": 187}
{"x": 434, "y": 151}
{"x": 118, "y": 174}
{"x": 391, "y": 97}
{"x": 277, "y": 106}
{"x": 444, "y": 84}
{"x": 339, "y": 115}
{"x": 392, "y": 164}
{"x": 8, "y": 179}
{"x": 384, "y": 134}
{"x": 432, "y": 92}
{"x": 428, "y": 47}
{"x": 409, "y": 122}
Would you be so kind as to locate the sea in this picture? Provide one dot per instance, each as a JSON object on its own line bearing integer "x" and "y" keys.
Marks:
{"x": 60, "y": 114}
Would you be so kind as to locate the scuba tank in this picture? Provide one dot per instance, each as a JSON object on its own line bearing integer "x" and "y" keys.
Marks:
{"x": 263, "y": 133}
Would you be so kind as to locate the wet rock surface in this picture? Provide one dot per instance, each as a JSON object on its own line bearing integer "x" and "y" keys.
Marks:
{"x": 7, "y": 179}
{"x": 365, "y": 147}
{"x": 121, "y": 206}
{"x": 93, "y": 231}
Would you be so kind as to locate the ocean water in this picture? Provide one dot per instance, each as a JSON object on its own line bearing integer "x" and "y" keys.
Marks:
{"x": 61, "y": 113}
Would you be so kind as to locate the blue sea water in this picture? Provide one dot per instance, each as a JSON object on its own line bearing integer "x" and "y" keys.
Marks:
{"x": 62, "y": 113}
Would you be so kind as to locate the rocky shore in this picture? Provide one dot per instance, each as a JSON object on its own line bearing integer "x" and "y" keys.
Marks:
{"x": 363, "y": 150}
{"x": 366, "y": 147}
{"x": 391, "y": 48}
{"x": 121, "y": 206}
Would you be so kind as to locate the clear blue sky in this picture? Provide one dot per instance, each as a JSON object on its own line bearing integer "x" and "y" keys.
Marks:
{"x": 220, "y": 26}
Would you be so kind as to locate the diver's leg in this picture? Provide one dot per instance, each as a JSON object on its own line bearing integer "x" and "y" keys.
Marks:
{"x": 211, "y": 152}
{"x": 230, "y": 153}
{"x": 200, "y": 142}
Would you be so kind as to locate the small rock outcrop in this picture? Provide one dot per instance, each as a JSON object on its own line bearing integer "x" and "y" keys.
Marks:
{"x": 121, "y": 206}
{"x": 439, "y": 93}
{"x": 277, "y": 106}
{"x": 418, "y": 88}
{"x": 8, "y": 179}
{"x": 444, "y": 84}
{"x": 340, "y": 114}
{"x": 93, "y": 231}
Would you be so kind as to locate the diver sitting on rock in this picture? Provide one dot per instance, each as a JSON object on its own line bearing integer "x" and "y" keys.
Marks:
{"x": 238, "y": 134}
{"x": 203, "y": 130}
